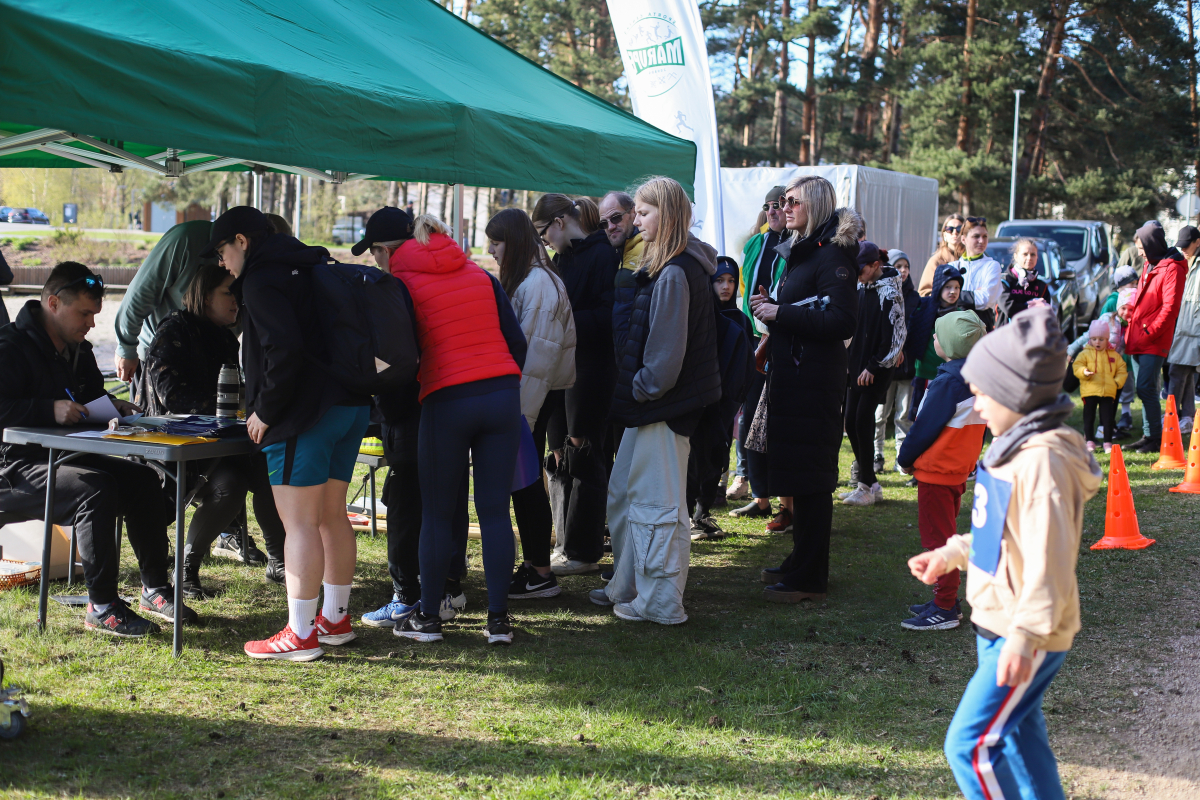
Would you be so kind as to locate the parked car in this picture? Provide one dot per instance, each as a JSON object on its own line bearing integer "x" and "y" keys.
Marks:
{"x": 348, "y": 230}
{"x": 1084, "y": 246}
{"x": 26, "y": 216}
{"x": 1053, "y": 269}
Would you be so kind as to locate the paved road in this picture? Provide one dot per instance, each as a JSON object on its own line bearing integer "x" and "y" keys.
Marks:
{"x": 103, "y": 337}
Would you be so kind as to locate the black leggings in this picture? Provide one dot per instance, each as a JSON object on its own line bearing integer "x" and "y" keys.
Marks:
{"x": 1108, "y": 408}
{"x": 861, "y": 402}
{"x": 223, "y": 497}
{"x": 530, "y": 505}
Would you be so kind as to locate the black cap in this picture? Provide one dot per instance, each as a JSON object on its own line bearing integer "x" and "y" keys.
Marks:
{"x": 388, "y": 224}
{"x": 1187, "y": 235}
{"x": 239, "y": 219}
{"x": 869, "y": 253}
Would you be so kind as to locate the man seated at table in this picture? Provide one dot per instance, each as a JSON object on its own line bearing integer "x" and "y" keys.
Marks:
{"x": 49, "y": 371}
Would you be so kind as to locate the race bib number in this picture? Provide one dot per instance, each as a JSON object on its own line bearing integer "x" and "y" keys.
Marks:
{"x": 987, "y": 519}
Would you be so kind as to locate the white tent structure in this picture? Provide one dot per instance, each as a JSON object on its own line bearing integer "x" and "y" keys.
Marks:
{"x": 901, "y": 210}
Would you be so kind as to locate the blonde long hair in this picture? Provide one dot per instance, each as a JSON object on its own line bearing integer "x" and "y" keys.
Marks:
{"x": 819, "y": 198}
{"x": 674, "y": 221}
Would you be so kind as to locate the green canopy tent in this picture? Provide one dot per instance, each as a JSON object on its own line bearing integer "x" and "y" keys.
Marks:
{"x": 330, "y": 89}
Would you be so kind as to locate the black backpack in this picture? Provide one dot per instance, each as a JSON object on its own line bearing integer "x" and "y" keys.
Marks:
{"x": 367, "y": 319}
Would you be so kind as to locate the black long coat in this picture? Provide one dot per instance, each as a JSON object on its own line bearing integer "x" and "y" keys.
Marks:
{"x": 807, "y": 375}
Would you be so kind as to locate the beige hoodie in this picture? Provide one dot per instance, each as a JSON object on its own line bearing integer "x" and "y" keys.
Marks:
{"x": 1033, "y": 600}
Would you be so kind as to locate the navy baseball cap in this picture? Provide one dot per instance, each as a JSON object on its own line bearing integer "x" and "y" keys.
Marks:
{"x": 245, "y": 220}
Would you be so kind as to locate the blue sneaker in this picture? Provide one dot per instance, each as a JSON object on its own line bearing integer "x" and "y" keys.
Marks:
{"x": 934, "y": 619}
{"x": 918, "y": 609}
{"x": 390, "y": 615}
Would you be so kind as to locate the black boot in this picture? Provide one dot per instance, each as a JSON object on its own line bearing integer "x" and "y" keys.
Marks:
{"x": 190, "y": 584}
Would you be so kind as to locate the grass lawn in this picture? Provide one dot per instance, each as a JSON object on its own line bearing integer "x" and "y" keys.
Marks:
{"x": 745, "y": 699}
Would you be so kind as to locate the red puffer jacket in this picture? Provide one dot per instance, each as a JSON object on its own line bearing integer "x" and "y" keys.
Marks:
{"x": 457, "y": 319}
{"x": 1156, "y": 307}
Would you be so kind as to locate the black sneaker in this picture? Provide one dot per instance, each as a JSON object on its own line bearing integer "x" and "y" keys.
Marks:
{"x": 752, "y": 510}
{"x": 161, "y": 603}
{"x": 229, "y": 545}
{"x": 607, "y": 576}
{"x": 275, "y": 573}
{"x": 419, "y": 627}
{"x": 118, "y": 620}
{"x": 706, "y": 529}
{"x": 528, "y": 584}
{"x": 911, "y": 483}
{"x": 917, "y": 609}
{"x": 877, "y": 464}
{"x": 854, "y": 471}
{"x": 499, "y": 629}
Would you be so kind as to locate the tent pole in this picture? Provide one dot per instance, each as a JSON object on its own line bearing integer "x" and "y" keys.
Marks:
{"x": 258, "y": 190}
{"x": 456, "y": 214}
{"x": 296, "y": 209}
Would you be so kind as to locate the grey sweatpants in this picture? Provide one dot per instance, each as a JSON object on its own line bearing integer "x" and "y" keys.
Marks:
{"x": 899, "y": 395}
{"x": 648, "y": 523}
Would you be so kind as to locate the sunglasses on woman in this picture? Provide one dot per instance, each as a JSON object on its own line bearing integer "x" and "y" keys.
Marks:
{"x": 952, "y": 229}
{"x": 790, "y": 202}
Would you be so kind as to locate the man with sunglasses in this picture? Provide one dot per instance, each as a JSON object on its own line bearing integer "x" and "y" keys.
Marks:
{"x": 981, "y": 273}
{"x": 761, "y": 266}
{"x": 49, "y": 370}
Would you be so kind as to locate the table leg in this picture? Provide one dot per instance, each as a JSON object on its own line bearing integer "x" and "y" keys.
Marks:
{"x": 71, "y": 558}
{"x": 180, "y": 506}
{"x": 44, "y": 589}
{"x": 374, "y": 510}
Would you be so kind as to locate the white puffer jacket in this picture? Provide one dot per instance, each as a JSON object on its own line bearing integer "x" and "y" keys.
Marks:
{"x": 544, "y": 310}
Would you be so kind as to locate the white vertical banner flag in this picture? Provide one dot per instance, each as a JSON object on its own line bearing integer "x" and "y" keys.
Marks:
{"x": 666, "y": 63}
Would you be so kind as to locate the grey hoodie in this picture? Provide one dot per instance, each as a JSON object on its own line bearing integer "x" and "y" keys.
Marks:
{"x": 665, "y": 347}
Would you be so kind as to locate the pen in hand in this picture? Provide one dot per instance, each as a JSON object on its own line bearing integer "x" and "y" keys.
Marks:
{"x": 73, "y": 400}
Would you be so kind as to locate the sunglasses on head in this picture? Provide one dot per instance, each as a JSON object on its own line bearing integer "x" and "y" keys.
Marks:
{"x": 977, "y": 220}
{"x": 91, "y": 281}
{"x": 612, "y": 219}
{"x": 772, "y": 206}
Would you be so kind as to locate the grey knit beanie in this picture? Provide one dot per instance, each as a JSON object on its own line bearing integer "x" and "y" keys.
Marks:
{"x": 1022, "y": 364}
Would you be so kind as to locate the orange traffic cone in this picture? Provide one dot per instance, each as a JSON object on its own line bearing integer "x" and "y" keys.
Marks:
{"x": 1191, "y": 475}
{"x": 1170, "y": 455}
{"x": 1120, "y": 517}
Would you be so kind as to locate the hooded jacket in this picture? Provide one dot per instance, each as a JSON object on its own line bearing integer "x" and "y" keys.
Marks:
{"x": 1033, "y": 599}
{"x": 458, "y": 315}
{"x": 907, "y": 369}
{"x": 918, "y": 347}
{"x": 1185, "y": 347}
{"x": 35, "y": 375}
{"x": 881, "y": 330}
{"x": 759, "y": 267}
{"x": 944, "y": 441}
{"x": 542, "y": 307}
{"x": 1156, "y": 308}
{"x": 663, "y": 376}
{"x": 157, "y": 289}
{"x": 806, "y": 378}
{"x": 981, "y": 285}
{"x": 184, "y": 363}
{"x": 283, "y": 352}
{"x": 1108, "y": 368}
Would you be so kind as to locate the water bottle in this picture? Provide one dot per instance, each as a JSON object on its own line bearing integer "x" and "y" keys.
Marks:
{"x": 228, "y": 392}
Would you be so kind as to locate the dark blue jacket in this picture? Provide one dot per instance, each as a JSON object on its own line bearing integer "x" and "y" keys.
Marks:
{"x": 938, "y": 407}
{"x": 926, "y": 313}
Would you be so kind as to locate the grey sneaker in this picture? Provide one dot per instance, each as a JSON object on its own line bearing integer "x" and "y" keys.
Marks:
{"x": 560, "y": 565}
{"x": 862, "y": 496}
{"x": 599, "y": 597}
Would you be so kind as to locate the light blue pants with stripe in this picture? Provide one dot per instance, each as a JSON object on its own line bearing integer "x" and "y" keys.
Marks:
{"x": 997, "y": 745}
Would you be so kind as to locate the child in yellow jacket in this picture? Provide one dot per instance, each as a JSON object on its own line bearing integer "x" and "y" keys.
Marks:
{"x": 1101, "y": 372}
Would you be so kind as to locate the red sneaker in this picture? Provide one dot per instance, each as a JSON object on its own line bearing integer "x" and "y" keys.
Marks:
{"x": 782, "y": 522}
{"x": 329, "y": 633}
{"x": 286, "y": 646}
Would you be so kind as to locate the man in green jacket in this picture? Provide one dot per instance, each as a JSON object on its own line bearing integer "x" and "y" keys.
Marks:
{"x": 157, "y": 290}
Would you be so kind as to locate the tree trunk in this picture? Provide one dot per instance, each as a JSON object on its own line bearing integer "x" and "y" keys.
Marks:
{"x": 807, "y": 142}
{"x": 779, "y": 124}
{"x": 962, "y": 139}
{"x": 863, "y": 116}
{"x": 289, "y": 198}
{"x": 1033, "y": 159}
{"x": 393, "y": 197}
{"x": 1192, "y": 96}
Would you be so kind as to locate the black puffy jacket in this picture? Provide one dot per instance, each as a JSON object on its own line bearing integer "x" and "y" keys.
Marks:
{"x": 806, "y": 378}
{"x": 589, "y": 271}
{"x": 184, "y": 362}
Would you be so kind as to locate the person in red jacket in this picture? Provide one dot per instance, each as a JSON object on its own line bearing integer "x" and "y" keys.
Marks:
{"x": 472, "y": 353}
{"x": 1152, "y": 325}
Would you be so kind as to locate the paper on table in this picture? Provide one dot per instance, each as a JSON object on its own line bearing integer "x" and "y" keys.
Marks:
{"x": 102, "y": 410}
{"x": 90, "y": 434}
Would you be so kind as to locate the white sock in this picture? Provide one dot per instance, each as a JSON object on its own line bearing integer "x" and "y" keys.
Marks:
{"x": 100, "y": 608}
{"x": 302, "y": 614}
{"x": 337, "y": 602}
